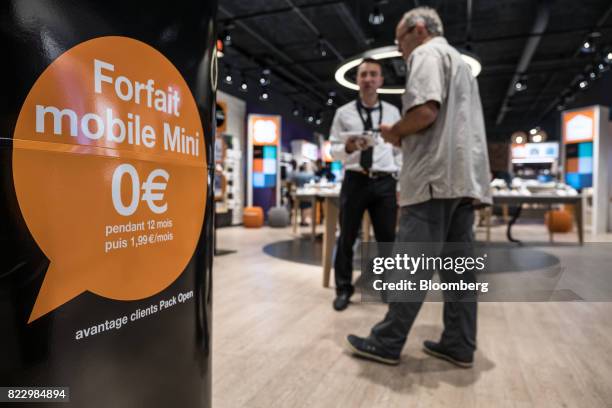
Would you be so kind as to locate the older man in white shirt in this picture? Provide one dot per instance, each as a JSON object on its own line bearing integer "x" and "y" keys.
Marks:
{"x": 370, "y": 179}
{"x": 445, "y": 170}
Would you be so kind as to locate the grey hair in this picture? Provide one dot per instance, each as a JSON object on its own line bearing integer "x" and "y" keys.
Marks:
{"x": 428, "y": 16}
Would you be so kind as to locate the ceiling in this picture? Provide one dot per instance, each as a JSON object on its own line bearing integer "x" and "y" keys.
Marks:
{"x": 540, "y": 39}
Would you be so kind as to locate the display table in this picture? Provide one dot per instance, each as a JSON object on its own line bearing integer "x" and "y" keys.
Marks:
{"x": 305, "y": 195}
{"x": 331, "y": 208}
{"x": 331, "y": 205}
{"x": 545, "y": 199}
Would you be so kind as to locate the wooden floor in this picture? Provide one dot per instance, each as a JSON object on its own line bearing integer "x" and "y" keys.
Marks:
{"x": 277, "y": 342}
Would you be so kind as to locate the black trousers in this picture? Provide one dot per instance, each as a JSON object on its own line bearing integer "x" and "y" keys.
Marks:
{"x": 359, "y": 193}
{"x": 436, "y": 220}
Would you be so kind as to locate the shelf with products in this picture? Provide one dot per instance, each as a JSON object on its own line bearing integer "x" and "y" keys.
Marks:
{"x": 228, "y": 180}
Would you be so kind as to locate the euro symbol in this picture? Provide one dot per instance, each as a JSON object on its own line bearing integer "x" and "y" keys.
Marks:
{"x": 149, "y": 186}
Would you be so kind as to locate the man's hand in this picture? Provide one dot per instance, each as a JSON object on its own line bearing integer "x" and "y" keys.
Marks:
{"x": 414, "y": 121}
{"x": 389, "y": 135}
{"x": 354, "y": 143}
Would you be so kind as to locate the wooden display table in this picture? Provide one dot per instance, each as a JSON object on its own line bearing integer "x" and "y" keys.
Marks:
{"x": 544, "y": 199}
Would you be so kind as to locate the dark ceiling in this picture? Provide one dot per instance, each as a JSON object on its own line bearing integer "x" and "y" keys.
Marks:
{"x": 538, "y": 41}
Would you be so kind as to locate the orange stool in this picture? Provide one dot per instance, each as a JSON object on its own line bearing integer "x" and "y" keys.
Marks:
{"x": 559, "y": 220}
{"x": 253, "y": 217}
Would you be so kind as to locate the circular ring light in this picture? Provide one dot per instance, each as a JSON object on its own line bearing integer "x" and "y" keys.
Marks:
{"x": 389, "y": 52}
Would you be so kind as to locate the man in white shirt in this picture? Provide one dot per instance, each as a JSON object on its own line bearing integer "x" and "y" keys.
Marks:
{"x": 369, "y": 181}
{"x": 445, "y": 170}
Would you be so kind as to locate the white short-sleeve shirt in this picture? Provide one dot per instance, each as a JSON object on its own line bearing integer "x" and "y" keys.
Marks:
{"x": 449, "y": 159}
{"x": 385, "y": 157}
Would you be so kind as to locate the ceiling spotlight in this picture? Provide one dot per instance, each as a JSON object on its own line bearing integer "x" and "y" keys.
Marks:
{"x": 520, "y": 86}
{"x": 228, "y": 75}
{"x": 264, "y": 96}
{"x": 534, "y": 131}
{"x": 602, "y": 67}
{"x": 608, "y": 57}
{"x": 227, "y": 38}
{"x": 568, "y": 97}
{"x": 539, "y": 137}
{"x": 518, "y": 137}
{"x": 309, "y": 117}
{"x": 376, "y": 16}
{"x": 264, "y": 79}
{"x": 583, "y": 84}
{"x": 588, "y": 45}
{"x": 593, "y": 75}
{"x": 295, "y": 111}
{"x": 321, "y": 49}
{"x": 330, "y": 98}
{"x": 244, "y": 86}
{"x": 318, "y": 119}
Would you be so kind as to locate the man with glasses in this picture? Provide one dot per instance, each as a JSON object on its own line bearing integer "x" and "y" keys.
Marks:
{"x": 369, "y": 181}
{"x": 445, "y": 171}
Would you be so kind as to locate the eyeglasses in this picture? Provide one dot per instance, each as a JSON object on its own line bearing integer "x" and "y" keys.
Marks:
{"x": 398, "y": 40}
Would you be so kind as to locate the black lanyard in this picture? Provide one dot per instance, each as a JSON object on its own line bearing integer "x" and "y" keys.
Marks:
{"x": 362, "y": 109}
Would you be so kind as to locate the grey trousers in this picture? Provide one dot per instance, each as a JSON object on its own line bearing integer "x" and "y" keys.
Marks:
{"x": 436, "y": 220}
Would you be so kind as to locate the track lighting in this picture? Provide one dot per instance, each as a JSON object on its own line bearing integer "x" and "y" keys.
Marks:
{"x": 227, "y": 38}
{"x": 330, "y": 98}
{"x": 228, "y": 79}
{"x": 520, "y": 86}
{"x": 264, "y": 95}
{"x": 321, "y": 49}
{"x": 244, "y": 86}
{"x": 376, "y": 16}
{"x": 589, "y": 44}
{"x": 264, "y": 79}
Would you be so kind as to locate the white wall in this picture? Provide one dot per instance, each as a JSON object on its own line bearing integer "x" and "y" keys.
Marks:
{"x": 236, "y": 116}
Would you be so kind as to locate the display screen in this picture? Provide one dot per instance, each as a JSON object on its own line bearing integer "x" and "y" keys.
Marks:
{"x": 264, "y": 166}
{"x": 579, "y": 165}
{"x": 535, "y": 152}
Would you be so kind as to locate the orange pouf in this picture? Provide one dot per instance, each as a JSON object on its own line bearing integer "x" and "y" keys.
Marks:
{"x": 253, "y": 217}
{"x": 562, "y": 220}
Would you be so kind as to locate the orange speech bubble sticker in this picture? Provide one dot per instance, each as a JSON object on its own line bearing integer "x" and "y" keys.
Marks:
{"x": 109, "y": 166}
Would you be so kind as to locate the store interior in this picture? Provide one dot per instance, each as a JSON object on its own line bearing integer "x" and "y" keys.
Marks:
{"x": 285, "y": 66}
{"x": 306, "y": 203}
